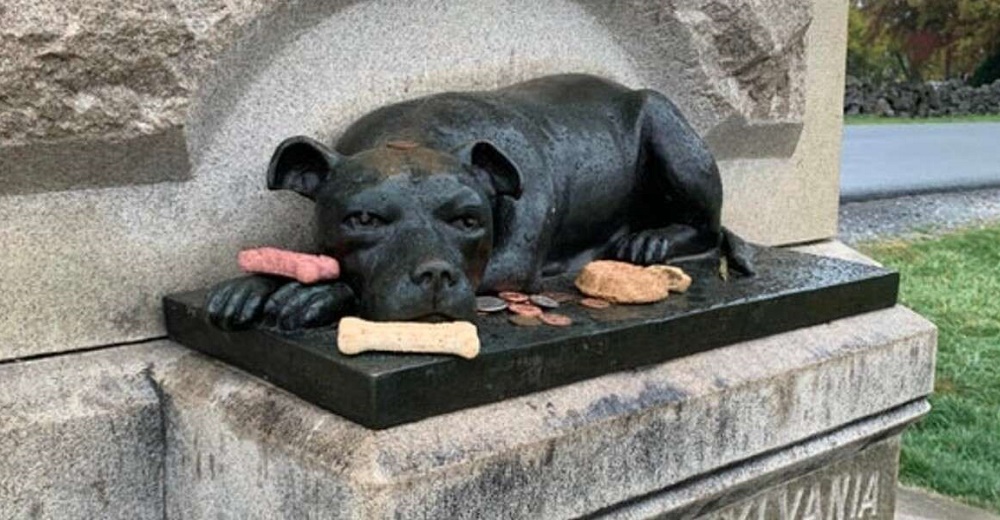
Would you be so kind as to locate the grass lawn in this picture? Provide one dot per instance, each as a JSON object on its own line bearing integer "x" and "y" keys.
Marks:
{"x": 954, "y": 280}
{"x": 877, "y": 120}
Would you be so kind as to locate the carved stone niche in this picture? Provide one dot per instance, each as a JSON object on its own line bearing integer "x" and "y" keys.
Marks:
{"x": 133, "y": 135}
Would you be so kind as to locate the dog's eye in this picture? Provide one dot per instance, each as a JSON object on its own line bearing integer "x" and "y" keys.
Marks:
{"x": 364, "y": 219}
{"x": 466, "y": 223}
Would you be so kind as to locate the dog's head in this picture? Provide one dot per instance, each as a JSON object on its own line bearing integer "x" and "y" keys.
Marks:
{"x": 411, "y": 226}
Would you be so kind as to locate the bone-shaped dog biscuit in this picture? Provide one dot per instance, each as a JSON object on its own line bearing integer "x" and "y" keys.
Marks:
{"x": 458, "y": 338}
{"x": 303, "y": 267}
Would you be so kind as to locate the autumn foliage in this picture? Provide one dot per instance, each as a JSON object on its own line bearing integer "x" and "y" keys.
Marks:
{"x": 916, "y": 40}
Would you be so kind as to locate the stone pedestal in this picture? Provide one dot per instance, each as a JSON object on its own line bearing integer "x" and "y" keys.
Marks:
{"x": 703, "y": 434}
{"x": 787, "y": 426}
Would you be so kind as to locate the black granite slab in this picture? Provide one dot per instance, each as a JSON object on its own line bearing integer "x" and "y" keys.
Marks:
{"x": 792, "y": 290}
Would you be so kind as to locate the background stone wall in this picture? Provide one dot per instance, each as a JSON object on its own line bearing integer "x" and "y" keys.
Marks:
{"x": 930, "y": 99}
{"x": 134, "y": 135}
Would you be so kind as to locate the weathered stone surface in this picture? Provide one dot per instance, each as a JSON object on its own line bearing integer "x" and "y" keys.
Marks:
{"x": 236, "y": 77}
{"x": 81, "y": 436}
{"x": 860, "y": 487}
{"x": 624, "y": 436}
{"x": 835, "y": 249}
{"x": 735, "y": 67}
{"x": 157, "y": 431}
{"x": 94, "y": 163}
{"x": 85, "y": 83}
{"x": 107, "y": 69}
{"x": 772, "y": 201}
{"x": 107, "y": 72}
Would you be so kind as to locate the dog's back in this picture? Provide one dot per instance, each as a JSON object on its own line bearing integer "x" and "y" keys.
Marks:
{"x": 575, "y": 138}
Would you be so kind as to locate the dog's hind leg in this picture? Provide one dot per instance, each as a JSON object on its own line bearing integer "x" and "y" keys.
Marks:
{"x": 681, "y": 205}
{"x": 679, "y": 213}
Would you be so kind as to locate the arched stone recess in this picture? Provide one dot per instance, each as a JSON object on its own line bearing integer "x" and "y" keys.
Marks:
{"x": 349, "y": 62}
{"x": 733, "y": 67}
{"x": 88, "y": 266}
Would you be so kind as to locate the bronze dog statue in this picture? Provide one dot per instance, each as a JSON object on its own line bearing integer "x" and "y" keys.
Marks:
{"x": 429, "y": 201}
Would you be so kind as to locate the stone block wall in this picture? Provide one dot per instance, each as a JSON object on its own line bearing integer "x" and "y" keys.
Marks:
{"x": 930, "y": 99}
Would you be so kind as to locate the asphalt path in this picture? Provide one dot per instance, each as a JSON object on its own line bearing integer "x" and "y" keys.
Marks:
{"x": 880, "y": 161}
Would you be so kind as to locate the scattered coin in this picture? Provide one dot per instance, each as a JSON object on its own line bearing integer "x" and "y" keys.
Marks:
{"x": 524, "y": 321}
{"x": 490, "y": 304}
{"x": 402, "y": 145}
{"x": 561, "y": 297}
{"x": 524, "y": 309}
{"x": 556, "y": 320}
{"x": 543, "y": 301}
{"x": 595, "y": 303}
{"x": 514, "y": 297}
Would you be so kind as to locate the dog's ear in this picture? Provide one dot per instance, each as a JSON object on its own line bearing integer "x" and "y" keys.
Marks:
{"x": 504, "y": 175}
{"x": 301, "y": 164}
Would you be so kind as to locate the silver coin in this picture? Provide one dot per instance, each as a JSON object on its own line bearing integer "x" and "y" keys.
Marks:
{"x": 544, "y": 301}
{"x": 490, "y": 304}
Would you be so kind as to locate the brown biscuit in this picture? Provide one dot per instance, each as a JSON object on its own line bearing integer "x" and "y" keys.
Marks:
{"x": 622, "y": 282}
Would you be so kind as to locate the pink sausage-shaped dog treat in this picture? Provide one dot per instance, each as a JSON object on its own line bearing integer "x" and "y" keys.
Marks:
{"x": 300, "y": 266}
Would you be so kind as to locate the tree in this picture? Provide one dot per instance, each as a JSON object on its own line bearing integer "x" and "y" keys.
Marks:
{"x": 872, "y": 57}
{"x": 983, "y": 42}
{"x": 987, "y": 72}
{"x": 934, "y": 38}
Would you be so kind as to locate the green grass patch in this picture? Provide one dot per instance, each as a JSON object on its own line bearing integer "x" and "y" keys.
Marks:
{"x": 878, "y": 120}
{"x": 954, "y": 280}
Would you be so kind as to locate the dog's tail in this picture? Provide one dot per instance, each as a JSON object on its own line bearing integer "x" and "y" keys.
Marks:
{"x": 737, "y": 254}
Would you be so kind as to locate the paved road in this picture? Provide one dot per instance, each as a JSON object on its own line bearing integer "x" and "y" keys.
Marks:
{"x": 891, "y": 160}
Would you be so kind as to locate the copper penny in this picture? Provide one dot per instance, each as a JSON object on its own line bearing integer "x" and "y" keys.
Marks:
{"x": 556, "y": 320}
{"x": 524, "y": 321}
{"x": 402, "y": 145}
{"x": 560, "y": 297}
{"x": 524, "y": 309}
{"x": 595, "y": 303}
{"x": 490, "y": 304}
{"x": 514, "y": 297}
{"x": 543, "y": 301}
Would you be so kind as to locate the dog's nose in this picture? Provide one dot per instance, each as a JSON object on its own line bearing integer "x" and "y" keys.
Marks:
{"x": 435, "y": 274}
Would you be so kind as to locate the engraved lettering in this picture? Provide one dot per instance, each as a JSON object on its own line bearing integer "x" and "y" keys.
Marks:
{"x": 814, "y": 504}
{"x": 840, "y": 490}
{"x": 789, "y": 511}
{"x": 740, "y": 514}
{"x": 870, "y": 502}
{"x": 843, "y": 496}
{"x": 856, "y": 502}
{"x": 745, "y": 514}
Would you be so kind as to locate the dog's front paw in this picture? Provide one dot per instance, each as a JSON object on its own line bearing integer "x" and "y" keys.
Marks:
{"x": 648, "y": 247}
{"x": 236, "y": 304}
{"x": 296, "y": 306}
